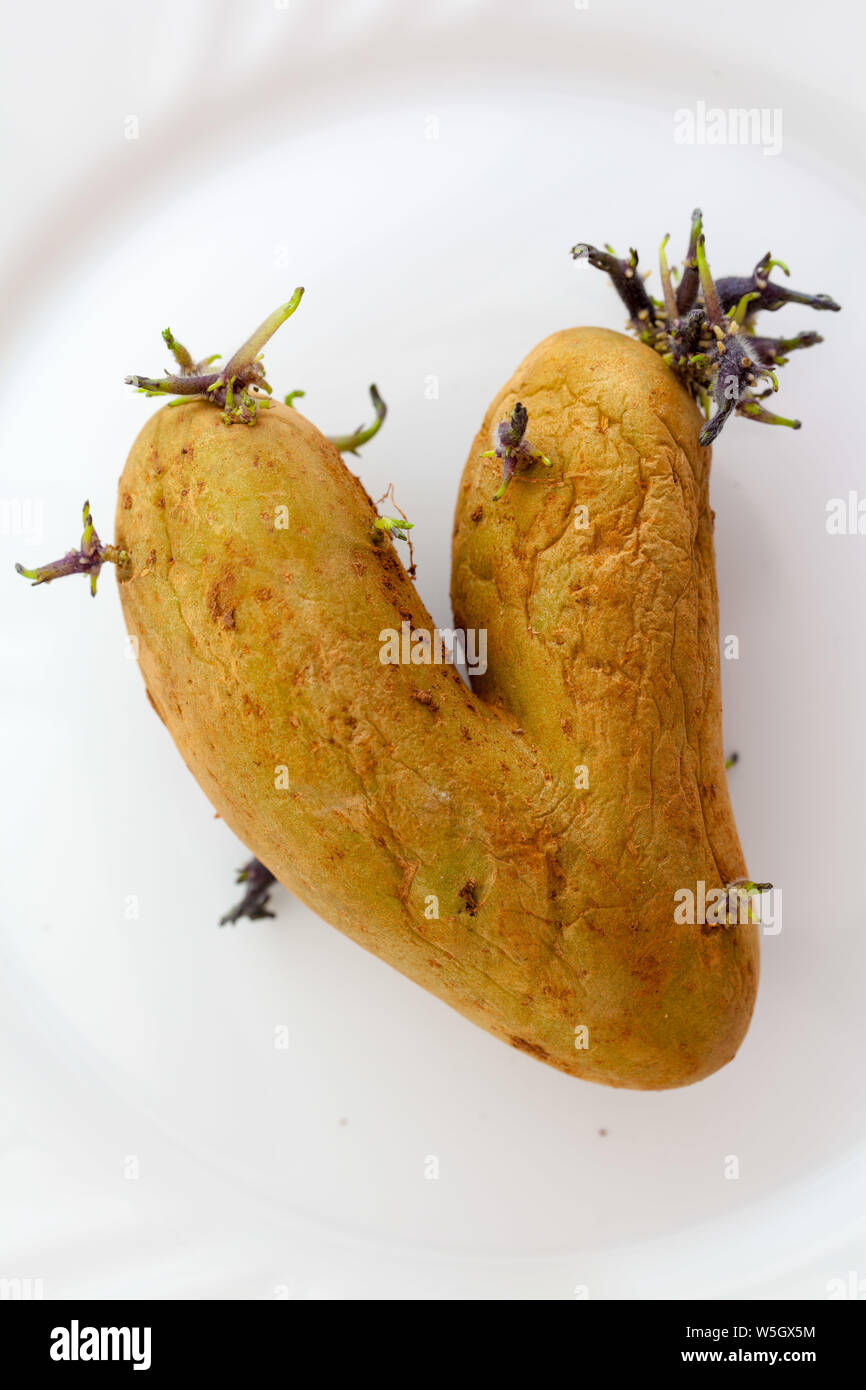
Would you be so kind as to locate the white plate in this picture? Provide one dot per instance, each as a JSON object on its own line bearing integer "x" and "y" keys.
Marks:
{"x": 425, "y": 179}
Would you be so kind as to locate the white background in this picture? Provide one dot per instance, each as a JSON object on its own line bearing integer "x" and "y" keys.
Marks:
{"x": 291, "y": 145}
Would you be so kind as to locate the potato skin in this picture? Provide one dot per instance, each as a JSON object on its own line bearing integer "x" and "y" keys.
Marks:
{"x": 604, "y": 643}
{"x": 406, "y": 793}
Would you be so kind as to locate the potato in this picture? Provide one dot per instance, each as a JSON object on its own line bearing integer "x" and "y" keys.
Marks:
{"x": 596, "y": 583}
{"x": 552, "y": 852}
{"x": 443, "y": 829}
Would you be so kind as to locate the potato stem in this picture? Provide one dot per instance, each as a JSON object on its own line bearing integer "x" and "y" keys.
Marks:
{"x": 91, "y": 555}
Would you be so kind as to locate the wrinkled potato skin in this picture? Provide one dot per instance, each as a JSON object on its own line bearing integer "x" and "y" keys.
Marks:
{"x": 260, "y": 647}
{"x": 604, "y": 648}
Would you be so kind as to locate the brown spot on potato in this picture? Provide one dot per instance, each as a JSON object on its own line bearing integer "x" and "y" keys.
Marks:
{"x": 468, "y": 893}
{"x": 534, "y": 1049}
{"x": 219, "y": 605}
{"x": 409, "y": 872}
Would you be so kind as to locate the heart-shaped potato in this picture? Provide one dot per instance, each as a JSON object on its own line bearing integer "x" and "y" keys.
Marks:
{"x": 552, "y": 852}
{"x": 516, "y": 850}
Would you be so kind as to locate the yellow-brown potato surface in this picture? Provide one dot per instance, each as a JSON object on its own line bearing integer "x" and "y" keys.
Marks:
{"x": 384, "y": 794}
